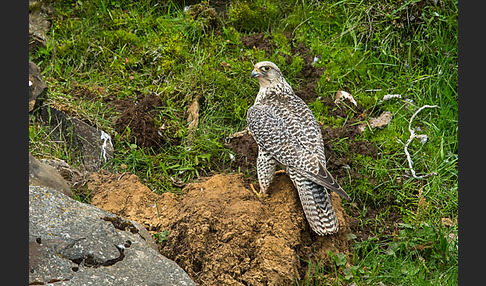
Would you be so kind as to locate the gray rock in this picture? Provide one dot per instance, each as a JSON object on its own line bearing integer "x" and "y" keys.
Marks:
{"x": 93, "y": 145}
{"x": 41, "y": 174}
{"x": 72, "y": 243}
{"x": 75, "y": 177}
{"x": 39, "y": 24}
{"x": 96, "y": 146}
{"x": 37, "y": 86}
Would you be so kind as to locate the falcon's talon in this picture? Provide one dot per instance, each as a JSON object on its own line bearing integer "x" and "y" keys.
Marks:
{"x": 258, "y": 194}
{"x": 280, "y": 172}
{"x": 239, "y": 133}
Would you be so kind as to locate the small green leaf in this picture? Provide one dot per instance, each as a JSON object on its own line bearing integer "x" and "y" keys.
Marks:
{"x": 392, "y": 248}
{"x": 348, "y": 274}
{"x": 351, "y": 236}
{"x": 340, "y": 259}
{"x": 404, "y": 225}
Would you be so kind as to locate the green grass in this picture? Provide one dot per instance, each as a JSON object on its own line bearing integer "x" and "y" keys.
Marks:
{"x": 369, "y": 48}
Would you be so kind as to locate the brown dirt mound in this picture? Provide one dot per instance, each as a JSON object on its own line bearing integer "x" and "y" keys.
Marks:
{"x": 124, "y": 195}
{"x": 138, "y": 121}
{"x": 259, "y": 41}
{"x": 246, "y": 152}
{"x": 223, "y": 234}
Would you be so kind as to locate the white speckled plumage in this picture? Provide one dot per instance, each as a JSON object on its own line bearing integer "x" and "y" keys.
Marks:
{"x": 287, "y": 132}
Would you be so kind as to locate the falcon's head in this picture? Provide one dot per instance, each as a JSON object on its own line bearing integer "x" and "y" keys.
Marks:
{"x": 266, "y": 72}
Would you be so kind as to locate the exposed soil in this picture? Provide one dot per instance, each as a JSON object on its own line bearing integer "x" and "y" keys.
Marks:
{"x": 220, "y": 232}
{"x": 259, "y": 41}
{"x": 246, "y": 151}
{"x": 309, "y": 74}
{"x": 137, "y": 121}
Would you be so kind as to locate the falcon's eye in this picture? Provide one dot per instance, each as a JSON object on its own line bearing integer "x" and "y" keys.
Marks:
{"x": 266, "y": 68}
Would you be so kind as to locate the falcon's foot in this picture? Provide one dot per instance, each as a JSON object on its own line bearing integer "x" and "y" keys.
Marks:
{"x": 280, "y": 172}
{"x": 240, "y": 133}
{"x": 258, "y": 194}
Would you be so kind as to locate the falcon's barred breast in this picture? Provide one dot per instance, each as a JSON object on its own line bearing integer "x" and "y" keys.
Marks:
{"x": 287, "y": 132}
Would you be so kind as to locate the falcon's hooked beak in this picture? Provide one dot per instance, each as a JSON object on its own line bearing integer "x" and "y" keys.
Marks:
{"x": 255, "y": 73}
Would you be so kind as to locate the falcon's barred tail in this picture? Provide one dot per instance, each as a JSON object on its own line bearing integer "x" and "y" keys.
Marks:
{"x": 316, "y": 203}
